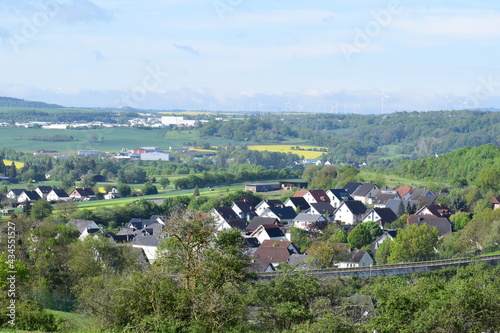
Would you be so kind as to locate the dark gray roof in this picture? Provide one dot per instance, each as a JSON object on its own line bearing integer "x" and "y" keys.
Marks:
{"x": 60, "y": 193}
{"x": 251, "y": 242}
{"x": 349, "y": 255}
{"x": 299, "y": 261}
{"x": 323, "y": 208}
{"x": 382, "y": 198}
{"x": 83, "y": 225}
{"x": 17, "y": 191}
{"x": 257, "y": 221}
{"x": 33, "y": 195}
{"x": 350, "y": 187}
{"x": 356, "y": 207}
{"x": 341, "y": 194}
{"x": 244, "y": 206}
{"x": 237, "y": 224}
{"x": 386, "y": 215}
{"x": 418, "y": 193}
{"x": 148, "y": 240}
{"x": 226, "y": 213}
{"x": 45, "y": 189}
{"x": 442, "y": 224}
{"x": 300, "y": 202}
{"x": 273, "y": 231}
{"x": 261, "y": 267}
{"x": 285, "y": 213}
{"x": 364, "y": 189}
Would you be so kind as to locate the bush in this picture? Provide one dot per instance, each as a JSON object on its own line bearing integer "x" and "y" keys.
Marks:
{"x": 32, "y": 317}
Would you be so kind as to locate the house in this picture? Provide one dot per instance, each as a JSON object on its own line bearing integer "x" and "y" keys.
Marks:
{"x": 153, "y": 226}
{"x": 297, "y": 203}
{"x": 85, "y": 227}
{"x": 82, "y": 194}
{"x": 289, "y": 185}
{"x": 419, "y": 193}
{"x": 149, "y": 244}
{"x": 300, "y": 193}
{"x": 264, "y": 204}
{"x": 315, "y": 196}
{"x": 226, "y": 218}
{"x": 43, "y": 191}
{"x": 365, "y": 193}
{"x": 404, "y": 192}
{"x": 14, "y": 193}
{"x": 350, "y": 212}
{"x": 113, "y": 194}
{"x": 58, "y": 195}
{"x": 268, "y": 232}
{"x": 244, "y": 209}
{"x": 275, "y": 252}
{"x": 258, "y": 221}
{"x": 351, "y": 187}
{"x": 284, "y": 214}
{"x": 347, "y": 258}
{"x": 261, "y": 267}
{"x": 307, "y": 221}
{"x": 28, "y": 196}
{"x": 442, "y": 224}
{"x": 388, "y": 190}
{"x": 381, "y": 198}
{"x": 496, "y": 202}
{"x": 337, "y": 196}
{"x": 381, "y": 216}
{"x": 323, "y": 208}
{"x": 435, "y": 210}
{"x": 251, "y": 245}
{"x": 389, "y": 234}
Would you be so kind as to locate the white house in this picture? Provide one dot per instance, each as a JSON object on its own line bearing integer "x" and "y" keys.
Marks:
{"x": 352, "y": 258}
{"x": 304, "y": 220}
{"x": 365, "y": 193}
{"x": 58, "y": 195}
{"x": 350, "y": 212}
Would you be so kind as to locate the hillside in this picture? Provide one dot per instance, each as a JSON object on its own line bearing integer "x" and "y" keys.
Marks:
{"x": 464, "y": 163}
{"x": 21, "y": 103}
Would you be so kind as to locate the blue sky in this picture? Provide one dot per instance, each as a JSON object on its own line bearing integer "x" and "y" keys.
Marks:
{"x": 274, "y": 55}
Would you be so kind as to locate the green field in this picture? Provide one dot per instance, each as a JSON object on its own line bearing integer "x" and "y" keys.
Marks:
{"x": 113, "y": 139}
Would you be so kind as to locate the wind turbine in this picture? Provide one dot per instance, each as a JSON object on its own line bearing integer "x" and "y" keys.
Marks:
{"x": 299, "y": 107}
{"x": 212, "y": 106}
{"x": 463, "y": 104}
{"x": 384, "y": 96}
{"x": 357, "y": 107}
{"x": 259, "y": 106}
{"x": 447, "y": 101}
{"x": 336, "y": 107}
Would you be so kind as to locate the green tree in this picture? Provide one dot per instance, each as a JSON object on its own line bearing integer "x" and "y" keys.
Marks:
{"x": 41, "y": 209}
{"x": 123, "y": 189}
{"x": 460, "y": 220}
{"x": 383, "y": 252}
{"x": 413, "y": 243}
{"x": 359, "y": 236}
{"x": 149, "y": 189}
{"x": 164, "y": 182}
{"x": 489, "y": 179}
{"x": 374, "y": 229}
{"x": 196, "y": 192}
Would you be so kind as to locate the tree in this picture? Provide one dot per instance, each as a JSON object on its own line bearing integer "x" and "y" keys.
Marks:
{"x": 148, "y": 189}
{"x": 413, "y": 243}
{"x": 12, "y": 172}
{"x": 401, "y": 208}
{"x": 196, "y": 192}
{"x": 88, "y": 181}
{"x": 41, "y": 209}
{"x": 374, "y": 229}
{"x": 359, "y": 236}
{"x": 68, "y": 183}
{"x": 489, "y": 179}
{"x": 383, "y": 252}
{"x": 123, "y": 189}
{"x": 164, "y": 182}
{"x": 460, "y": 220}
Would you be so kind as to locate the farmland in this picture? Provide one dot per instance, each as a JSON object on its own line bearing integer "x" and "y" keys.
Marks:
{"x": 309, "y": 152}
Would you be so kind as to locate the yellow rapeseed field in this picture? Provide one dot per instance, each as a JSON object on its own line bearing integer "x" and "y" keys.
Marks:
{"x": 17, "y": 164}
{"x": 308, "y": 154}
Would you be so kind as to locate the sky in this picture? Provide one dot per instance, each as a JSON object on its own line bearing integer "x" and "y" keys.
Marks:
{"x": 335, "y": 56}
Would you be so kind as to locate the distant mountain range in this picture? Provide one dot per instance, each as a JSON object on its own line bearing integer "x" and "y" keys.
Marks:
{"x": 21, "y": 103}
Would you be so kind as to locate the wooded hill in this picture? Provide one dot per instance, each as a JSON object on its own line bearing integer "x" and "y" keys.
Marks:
{"x": 21, "y": 103}
{"x": 464, "y": 165}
